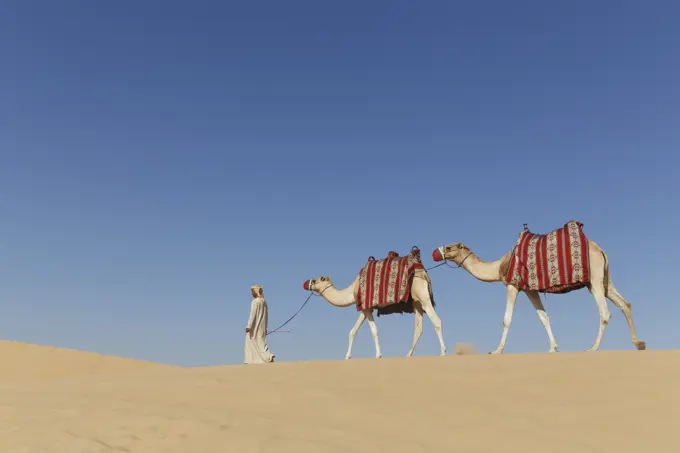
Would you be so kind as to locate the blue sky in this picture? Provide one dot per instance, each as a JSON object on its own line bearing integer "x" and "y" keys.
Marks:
{"x": 158, "y": 158}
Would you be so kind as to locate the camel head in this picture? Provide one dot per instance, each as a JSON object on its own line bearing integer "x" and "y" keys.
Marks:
{"x": 456, "y": 252}
{"x": 317, "y": 284}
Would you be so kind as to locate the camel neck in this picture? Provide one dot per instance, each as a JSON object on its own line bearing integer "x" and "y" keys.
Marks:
{"x": 340, "y": 297}
{"x": 482, "y": 270}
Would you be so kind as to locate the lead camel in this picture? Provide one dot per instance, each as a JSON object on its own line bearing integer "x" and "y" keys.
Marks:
{"x": 416, "y": 296}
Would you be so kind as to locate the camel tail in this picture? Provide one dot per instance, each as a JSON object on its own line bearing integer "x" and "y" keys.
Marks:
{"x": 607, "y": 275}
{"x": 429, "y": 288}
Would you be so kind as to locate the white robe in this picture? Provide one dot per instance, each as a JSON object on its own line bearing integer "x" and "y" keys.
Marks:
{"x": 257, "y": 350}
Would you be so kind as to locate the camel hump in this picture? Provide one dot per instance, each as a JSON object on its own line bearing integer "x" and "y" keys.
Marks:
{"x": 392, "y": 254}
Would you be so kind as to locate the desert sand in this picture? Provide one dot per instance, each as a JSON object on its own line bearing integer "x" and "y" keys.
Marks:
{"x": 55, "y": 400}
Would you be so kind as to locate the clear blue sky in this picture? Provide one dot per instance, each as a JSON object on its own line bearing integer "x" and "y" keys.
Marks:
{"x": 158, "y": 158}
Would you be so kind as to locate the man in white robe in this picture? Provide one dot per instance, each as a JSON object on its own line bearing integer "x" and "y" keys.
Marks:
{"x": 257, "y": 350}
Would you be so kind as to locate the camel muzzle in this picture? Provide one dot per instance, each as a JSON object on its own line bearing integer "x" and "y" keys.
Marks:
{"x": 437, "y": 254}
{"x": 306, "y": 284}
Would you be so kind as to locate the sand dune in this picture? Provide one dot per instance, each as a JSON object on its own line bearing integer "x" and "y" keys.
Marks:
{"x": 31, "y": 362}
{"x": 67, "y": 401}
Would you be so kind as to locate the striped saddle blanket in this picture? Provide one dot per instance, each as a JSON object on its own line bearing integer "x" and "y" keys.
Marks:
{"x": 387, "y": 281}
{"x": 556, "y": 262}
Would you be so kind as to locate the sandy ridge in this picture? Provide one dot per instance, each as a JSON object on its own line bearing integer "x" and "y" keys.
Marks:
{"x": 613, "y": 401}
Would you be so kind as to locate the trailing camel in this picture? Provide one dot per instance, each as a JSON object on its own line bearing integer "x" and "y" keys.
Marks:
{"x": 559, "y": 262}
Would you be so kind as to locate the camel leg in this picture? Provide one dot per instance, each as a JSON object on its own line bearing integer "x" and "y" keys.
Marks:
{"x": 535, "y": 299}
{"x": 374, "y": 332}
{"x": 627, "y": 309}
{"x": 597, "y": 290}
{"x": 353, "y": 333}
{"x": 437, "y": 323}
{"x": 421, "y": 292}
{"x": 511, "y": 296}
{"x": 418, "y": 330}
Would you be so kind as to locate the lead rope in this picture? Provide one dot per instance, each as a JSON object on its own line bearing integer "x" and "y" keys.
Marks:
{"x": 297, "y": 312}
{"x": 292, "y": 317}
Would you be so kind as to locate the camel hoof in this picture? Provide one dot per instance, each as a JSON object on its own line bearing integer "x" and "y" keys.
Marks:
{"x": 347, "y": 357}
{"x": 640, "y": 345}
{"x": 553, "y": 350}
{"x": 496, "y": 352}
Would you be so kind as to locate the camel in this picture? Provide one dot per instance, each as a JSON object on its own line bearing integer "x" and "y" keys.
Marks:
{"x": 600, "y": 286}
{"x": 421, "y": 299}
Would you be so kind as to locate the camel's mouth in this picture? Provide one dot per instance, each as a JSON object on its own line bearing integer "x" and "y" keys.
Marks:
{"x": 438, "y": 254}
{"x": 307, "y": 284}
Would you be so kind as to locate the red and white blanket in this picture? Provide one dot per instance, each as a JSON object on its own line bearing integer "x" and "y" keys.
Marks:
{"x": 385, "y": 282}
{"x": 556, "y": 262}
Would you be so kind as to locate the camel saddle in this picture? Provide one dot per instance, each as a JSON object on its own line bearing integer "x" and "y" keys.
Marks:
{"x": 557, "y": 262}
{"x": 387, "y": 281}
